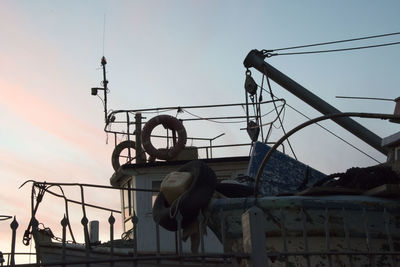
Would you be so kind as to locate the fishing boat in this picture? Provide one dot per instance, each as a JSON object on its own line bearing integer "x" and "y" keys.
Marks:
{"x": 238, "y": 203}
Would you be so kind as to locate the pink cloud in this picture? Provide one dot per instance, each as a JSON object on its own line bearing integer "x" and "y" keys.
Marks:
{"x": 50, "y": 118}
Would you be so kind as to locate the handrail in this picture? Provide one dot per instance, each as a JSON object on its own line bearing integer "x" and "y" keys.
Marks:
{"x": 133, "y": 133}
{"x": 5, "y": 217}
{"x": 180, "y": 108}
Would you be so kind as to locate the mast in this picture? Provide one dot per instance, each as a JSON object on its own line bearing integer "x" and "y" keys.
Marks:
{"x": 105, "y": 83}
{"x": 255, "y": 59}
{"x": 104, "y": 88}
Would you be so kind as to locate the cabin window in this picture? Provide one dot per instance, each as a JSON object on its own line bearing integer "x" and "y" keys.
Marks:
{"x": 155, "y": 185}
{"x": 128, "y": 200}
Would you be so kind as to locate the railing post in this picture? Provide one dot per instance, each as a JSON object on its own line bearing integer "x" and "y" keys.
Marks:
{"x": 14, "y": 226}
{"x": 158, "y": 254}
{"x": 327, "y": 236}
{"x": 94, "y": 232}
{"x": 179, "y": 219}
{"x": 64, "y": 223}
{"x": 368, "y": 237}
{"x": 1, "y": 259}
{"x": 85, "y": 222}
{"x": 223, "y": 234}
{"x": 305, "y": 236}
{"x": 111, "y": 221}
{"x": 254, "y": 241}
{"x": 135, "y": 221}
{"x": 347, "y": 235}
{"x": 200, "y": 219}
{"x": 35, "y": 225}
{"x": 128, "y": 123}
{"x": 211, "y": 149}
{"x": 140, "y": 156}
{"x": 389, "y": 238}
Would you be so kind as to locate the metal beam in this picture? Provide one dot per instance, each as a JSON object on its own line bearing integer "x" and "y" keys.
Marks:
{"x": 255, "y": 59}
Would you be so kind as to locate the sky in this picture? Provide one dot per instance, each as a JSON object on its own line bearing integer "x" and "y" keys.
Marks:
{"x": 173, "y": 53}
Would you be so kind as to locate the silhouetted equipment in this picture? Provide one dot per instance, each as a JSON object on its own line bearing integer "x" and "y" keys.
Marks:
{"x": 94, "y": 90}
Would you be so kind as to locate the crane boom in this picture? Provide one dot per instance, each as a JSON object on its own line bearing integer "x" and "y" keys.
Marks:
{"x": 255, "y": 59}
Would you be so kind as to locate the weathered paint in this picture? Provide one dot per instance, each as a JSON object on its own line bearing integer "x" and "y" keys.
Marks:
{"x": 301, "y": 224}
{"x": 282, "y": 174}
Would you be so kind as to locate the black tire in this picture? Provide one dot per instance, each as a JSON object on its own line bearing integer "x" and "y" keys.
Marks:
{"x": 192, "y": 201}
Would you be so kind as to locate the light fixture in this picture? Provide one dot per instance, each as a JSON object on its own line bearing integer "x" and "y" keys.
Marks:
{"x": 95, "y": 89}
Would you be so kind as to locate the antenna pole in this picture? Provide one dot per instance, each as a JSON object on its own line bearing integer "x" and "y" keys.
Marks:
{"x": 105, "y": 83}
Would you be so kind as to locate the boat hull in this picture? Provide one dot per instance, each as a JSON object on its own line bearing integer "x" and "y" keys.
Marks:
{"x": 300, "y": 229}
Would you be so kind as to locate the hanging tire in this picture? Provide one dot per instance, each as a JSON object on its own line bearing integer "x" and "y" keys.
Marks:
{"x": 117, "y": 152}
{"x": 191, "y": 202}
{"x": 170, "y": 123}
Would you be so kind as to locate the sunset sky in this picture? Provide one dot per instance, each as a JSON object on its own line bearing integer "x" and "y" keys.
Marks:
{"x": 170, "y": 53}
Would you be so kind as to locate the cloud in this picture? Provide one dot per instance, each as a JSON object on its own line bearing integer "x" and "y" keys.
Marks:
{"x": 48, "y": 117}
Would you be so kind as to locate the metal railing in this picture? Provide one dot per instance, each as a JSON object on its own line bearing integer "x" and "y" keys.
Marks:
{"x": 131, "y": 123}
{"x": 113, "y": 256}
{"x": 329, "y": 247}
{"x": 368, "y": 236}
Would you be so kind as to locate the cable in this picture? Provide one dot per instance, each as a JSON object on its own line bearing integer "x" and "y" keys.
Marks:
{"x": 340, "y": 138}
{"x": 283, "y": 118}
{"x": 158, "y": 111}
{"x": 268, "y": 54}
{"x": 337, "y": 136}
{"x": 228, "y": 122}
{"x": 280, "y": 121}
{"x": 101, "y": 100}
{"x": 199, "y": 117}
{"x": 335, "y": 42}
{"x": 365, "y": 98}
{"x": 269, "y": 112}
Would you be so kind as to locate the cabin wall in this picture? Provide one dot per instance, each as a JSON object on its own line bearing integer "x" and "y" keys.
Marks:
{"x": 146, "y": 178}
{"x": 146, "y": 227}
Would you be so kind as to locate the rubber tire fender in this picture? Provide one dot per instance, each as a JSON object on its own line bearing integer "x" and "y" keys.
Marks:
{"x": 192, "y": 201}
{"x": 168, "y": 122}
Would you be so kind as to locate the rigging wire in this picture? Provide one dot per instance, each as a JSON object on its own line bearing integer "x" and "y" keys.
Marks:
{"x": 366, "y": 98}
{"x": 332, "y": 133}
{"x": 283, "y": 118}
{"x": 158, "y": 111}
{"x": 242, "y": 121}
{"x": 269, "y": 54}
{"x": 215, "y": 121}
{"x": 280, "y": 120}
{"x": 260, "y": 99}
{"x": 335, "y": 42}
